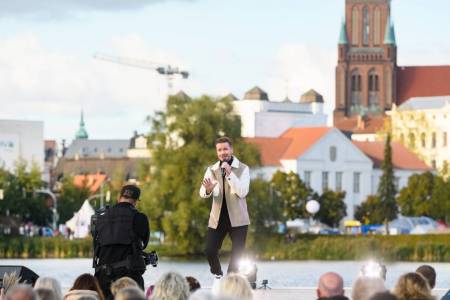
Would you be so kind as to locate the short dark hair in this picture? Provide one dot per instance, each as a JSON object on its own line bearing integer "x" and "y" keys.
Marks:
{"x": 130, "y": 191}
{"x": 383, "y": 296}
{"x": 429, "y": 273}
{"x": 224, "y": 139}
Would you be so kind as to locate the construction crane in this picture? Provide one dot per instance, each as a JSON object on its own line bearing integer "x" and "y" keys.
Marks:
{"x": 168, "y": 71}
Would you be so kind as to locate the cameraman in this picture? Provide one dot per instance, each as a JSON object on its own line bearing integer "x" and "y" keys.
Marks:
{"x": 120, "y": 233}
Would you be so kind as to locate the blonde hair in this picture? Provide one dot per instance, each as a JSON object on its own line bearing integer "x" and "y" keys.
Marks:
{"x": 171, "y": 286}
{"x": 236, "y": 286}
{"x": 130, "y": 293}
{"x": 365, "y": 287}
{"x": 51, "y": 284}
{"x": 412, "y": 286}
{"x": 121, "y": 283}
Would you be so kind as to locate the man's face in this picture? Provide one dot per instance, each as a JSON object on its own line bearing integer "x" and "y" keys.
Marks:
{"x": 224, "y": 151}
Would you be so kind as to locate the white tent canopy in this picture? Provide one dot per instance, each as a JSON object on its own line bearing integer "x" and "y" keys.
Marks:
{"x": 80, "y": 222}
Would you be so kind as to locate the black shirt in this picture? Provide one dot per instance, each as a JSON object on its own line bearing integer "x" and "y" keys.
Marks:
{"x": 116, "y": 253}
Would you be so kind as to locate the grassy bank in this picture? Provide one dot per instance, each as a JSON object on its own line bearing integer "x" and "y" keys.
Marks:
{"x": 427, "y": 248}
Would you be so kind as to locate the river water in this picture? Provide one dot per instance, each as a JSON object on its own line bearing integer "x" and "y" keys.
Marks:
{"x": 280, "y": 274}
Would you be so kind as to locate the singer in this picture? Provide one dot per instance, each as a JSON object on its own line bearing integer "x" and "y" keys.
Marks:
{"x": 228, "y": 182}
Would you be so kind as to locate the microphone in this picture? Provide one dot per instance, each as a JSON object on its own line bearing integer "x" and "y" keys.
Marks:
{"x": 222, "y": 170}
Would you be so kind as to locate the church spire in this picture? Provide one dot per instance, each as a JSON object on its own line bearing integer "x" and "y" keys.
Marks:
{"x": 343, "y": 35}
{"x": 81, "y": 133}
{"x": 389, "y": 33}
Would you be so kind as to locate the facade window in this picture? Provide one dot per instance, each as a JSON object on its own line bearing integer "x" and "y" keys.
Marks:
{"x": 333, "y": 153}
{"x": 338, "y": 181}
{"x": 308, "y": 178}
{"x": 356, "y": 182}
{"x": 377, "y": 26}
{"x": 324, "y": 181}
{"x": 411, "y": 140}
{"x": 433, "y": 164}
{"x": 397, "y": 183}
{"x": 423, "y": 140}
{"x": 355, "y": 26}
{"x": 433, "y": 140}
{"x": 373, "y": 84}
{"x": 402, "y": 139}
{"x": 366, "y": 26}
{"x": 444, "y": 139}
{"x": 356, "y": 88}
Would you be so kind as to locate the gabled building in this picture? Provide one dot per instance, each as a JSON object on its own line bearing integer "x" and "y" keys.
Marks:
{"x": 325, "y": 158}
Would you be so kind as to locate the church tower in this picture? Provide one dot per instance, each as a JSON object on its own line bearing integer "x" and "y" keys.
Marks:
{"x": 367, "y": 60}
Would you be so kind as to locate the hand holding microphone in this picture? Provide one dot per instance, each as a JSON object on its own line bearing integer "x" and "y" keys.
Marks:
{"x": 225, "y": 169}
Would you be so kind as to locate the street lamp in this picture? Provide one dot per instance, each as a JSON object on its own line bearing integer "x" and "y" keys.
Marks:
{"x": 55, "y": 206}
{"x": 312, "y": 207}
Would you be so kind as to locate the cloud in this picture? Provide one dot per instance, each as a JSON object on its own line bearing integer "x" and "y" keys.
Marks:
{"x": 55, "y": 9}
{"x": 298, "y": 68}
{"x": 40, "y": 84}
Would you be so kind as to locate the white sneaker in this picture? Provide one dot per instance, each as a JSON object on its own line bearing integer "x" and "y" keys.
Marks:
{"x": 216, "y": 284}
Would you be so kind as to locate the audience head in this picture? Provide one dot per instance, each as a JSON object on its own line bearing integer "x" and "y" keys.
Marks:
{"x": 171, "y": 286}
{"x": 121, "y": 283}
{"x": 365, "y": 287}
{"x": 131, "y": 293}
{"x": 429, "y": 273}
{"x": 412, "y": 286}
{"x": 330, "y": 284}
{"x": 193, "y": 283}
{"x": 234, "y": 286}
{"x": 21, "y": 292}
{"x": 383, "y": 296}
{"x": 51, "y": 284}
{"x": 45, "y": 294}
{"x": 88, "y": 282}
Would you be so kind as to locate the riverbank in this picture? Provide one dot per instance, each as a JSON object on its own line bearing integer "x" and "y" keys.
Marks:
{"x": 425, "y": 248}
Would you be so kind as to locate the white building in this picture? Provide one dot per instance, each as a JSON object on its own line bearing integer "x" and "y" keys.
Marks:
{"x": 21, "y": 140}
{"x": 264, "y": 118}
{"x": 422, "y": 124}
{"x": 404, "y": 161}
{"x": 325, "y": 158}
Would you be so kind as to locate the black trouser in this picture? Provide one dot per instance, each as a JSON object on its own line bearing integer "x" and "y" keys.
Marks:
{"x": 105, "y": 281}
{"x": 214, "y": 241}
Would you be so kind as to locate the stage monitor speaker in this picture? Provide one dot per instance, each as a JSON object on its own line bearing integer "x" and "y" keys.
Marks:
{"x": 25, "y": 274}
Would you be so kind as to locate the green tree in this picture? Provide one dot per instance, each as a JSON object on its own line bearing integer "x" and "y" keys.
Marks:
{"x": 182, "y": 144}
{"x": 264, "y": 208}
{"x": 292, "y": 194}
{"x": 386, "y": 187}
{"x": 20, "y": 199}
{"x": 369, "y": 211}
{"x": 332, "y": 208}
{"x": 70, "y": 198}
{"x": 425, "y": 195}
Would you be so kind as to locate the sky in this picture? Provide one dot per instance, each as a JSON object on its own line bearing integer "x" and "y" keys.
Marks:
{"x": 48, "y": 73}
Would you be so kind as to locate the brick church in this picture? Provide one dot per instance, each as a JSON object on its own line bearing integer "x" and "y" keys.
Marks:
{"x": 368, "y": 80}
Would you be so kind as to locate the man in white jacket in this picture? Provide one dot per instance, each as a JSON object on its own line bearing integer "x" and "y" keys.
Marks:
{"x": 228, "y": 182}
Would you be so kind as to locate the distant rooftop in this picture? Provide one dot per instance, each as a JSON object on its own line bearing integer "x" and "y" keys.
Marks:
{"x": 418, "y": 103}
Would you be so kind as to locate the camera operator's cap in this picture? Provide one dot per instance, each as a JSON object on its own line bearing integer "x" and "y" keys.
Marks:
{"x": 130, "y": 191}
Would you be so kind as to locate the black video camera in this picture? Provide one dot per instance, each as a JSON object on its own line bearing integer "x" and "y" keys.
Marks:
{"x": 151, "y": 258}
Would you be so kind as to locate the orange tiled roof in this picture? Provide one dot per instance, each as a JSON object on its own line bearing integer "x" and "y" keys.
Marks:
{"x": 302, "y": 140}
{"x": 422, "y": 81}
{"x": 372, "y": 124}
{"x": 402, "y": 158}
{"x": 92, "y": 181}
{"x": 290, "y": 145}
{"x": 271, "y": 149}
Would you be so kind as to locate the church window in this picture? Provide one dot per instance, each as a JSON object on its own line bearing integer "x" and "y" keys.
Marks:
{"x": 356, "y": 88}
{"x": 377, "y": 26}
{"x": 355, "y": 26}
{"x": 373, "y": 89}
{"x": 366, "y": 26}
